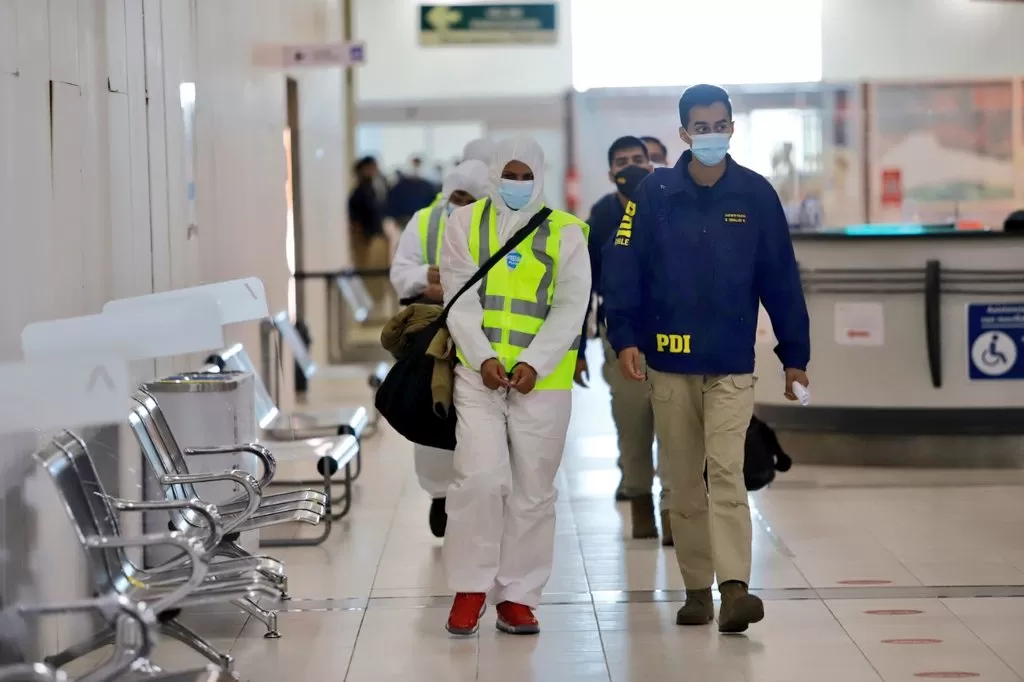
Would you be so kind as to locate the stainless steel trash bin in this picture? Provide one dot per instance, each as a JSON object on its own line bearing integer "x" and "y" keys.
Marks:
{"x": 206, "y": 410}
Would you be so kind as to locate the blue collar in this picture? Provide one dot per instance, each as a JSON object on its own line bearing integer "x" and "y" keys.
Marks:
{"x": 678, "y": 179}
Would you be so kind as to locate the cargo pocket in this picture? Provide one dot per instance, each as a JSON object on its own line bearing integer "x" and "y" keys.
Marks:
{"x": 742, "y": 381}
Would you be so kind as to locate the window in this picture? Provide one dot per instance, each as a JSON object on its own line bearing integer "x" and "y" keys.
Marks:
{"x": 651, "y": 43}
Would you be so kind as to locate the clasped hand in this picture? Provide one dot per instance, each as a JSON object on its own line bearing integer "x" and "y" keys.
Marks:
{"x": 523, "y": 378}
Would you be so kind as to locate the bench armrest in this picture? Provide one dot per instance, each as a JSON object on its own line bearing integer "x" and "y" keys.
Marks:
{"x": 214, "y": 530}
{"x": 265, "y": 456}
{"x": 190, "y": 546}
{"x": 246, "y": 480}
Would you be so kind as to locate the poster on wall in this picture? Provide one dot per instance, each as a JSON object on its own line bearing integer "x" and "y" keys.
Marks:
{"x": 489, "y": 24}
{"x": 860, "y": 324}
{"x": 892, "y": 187}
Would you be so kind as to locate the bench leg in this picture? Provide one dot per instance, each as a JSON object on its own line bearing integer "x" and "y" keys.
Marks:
{"x": 72, "y": 653}
{"x": 268, "y": 618}
{"x": 186, "y": 636}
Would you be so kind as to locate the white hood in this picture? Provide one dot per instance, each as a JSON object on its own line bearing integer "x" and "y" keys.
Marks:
{"x": 481, "y": 149}
{"x": 469, "y": 176}
{"x": 526, "y": 150}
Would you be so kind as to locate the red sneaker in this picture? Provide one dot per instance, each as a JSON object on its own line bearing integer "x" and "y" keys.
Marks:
{"x": 517, "y": 619}
{"x": 464, "y": 618}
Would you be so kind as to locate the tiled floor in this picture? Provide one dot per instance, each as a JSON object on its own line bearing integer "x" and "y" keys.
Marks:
{"x": 868, "y": 575}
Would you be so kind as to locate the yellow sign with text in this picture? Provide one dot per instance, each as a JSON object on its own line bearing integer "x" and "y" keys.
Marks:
{"x": 625, "y": 232}
{"x": 673, "y": 343}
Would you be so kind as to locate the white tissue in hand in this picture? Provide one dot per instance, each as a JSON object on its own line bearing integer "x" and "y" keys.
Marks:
{"x": 802, "y": 393}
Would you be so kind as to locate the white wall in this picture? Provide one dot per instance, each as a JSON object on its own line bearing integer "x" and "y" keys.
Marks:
{"x": 399, "y": 69}
{"x": 93, "y": 197}
{"x": 923, "y": 39}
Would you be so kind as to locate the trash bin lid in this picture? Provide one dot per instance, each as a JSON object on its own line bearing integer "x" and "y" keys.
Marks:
{"x": 199, "y": 382}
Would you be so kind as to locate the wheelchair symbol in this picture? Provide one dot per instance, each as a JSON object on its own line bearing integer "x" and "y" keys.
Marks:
{"x": 994, "y": 353}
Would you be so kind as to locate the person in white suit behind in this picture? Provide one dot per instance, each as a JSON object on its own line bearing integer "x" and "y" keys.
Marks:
{"x": 415, "y": 276}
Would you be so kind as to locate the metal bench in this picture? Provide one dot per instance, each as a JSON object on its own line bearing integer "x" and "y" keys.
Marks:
{"x": 128, "y": 655}
{"x": 93, "y": 515}
{"x": 333, "y": 445}
{"x": 253, "y": 510}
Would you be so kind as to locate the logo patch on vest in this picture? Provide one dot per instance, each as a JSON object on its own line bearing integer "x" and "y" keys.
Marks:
{"x": 512, "y": 260}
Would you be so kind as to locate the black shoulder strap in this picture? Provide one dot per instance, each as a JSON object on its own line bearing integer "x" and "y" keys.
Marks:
{"x": 524, "y": 232}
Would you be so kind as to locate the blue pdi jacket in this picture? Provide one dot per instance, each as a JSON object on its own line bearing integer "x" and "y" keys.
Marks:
{"x": 685, "y": 271}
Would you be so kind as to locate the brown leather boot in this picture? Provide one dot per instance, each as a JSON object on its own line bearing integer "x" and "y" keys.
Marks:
{"x": 739, "y": 607}
{"x": 666, "y": 529}
{"x": 699, "y": 608}
{"x": 642, "y": 513}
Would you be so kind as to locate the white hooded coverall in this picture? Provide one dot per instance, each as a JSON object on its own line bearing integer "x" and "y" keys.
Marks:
{"x": 480, "y": 149}
{"x": 409, "y": 278}
{"x": 501, "y": 506}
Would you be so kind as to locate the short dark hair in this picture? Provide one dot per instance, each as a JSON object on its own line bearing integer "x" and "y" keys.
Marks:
{"x": 702, "y": 95}
{"x": 626, "y": 142}
{"x": 651, "y": 140}
{"x": 364, "y": 163}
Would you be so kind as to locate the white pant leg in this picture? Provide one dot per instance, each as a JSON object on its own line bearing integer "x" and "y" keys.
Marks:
{"x": 434, "y": 468}
{"x": 537, "y": 427}
{"x": 475, "y": 504}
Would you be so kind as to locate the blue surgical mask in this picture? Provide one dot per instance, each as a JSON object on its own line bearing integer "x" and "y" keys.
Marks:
{"x": 516, "y": 193}
{"x": 710, "y": 148}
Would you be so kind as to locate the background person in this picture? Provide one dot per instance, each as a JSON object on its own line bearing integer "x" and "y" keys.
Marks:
{"x": 628, "y": 165}
{"x": 371, "y": 249}
{"x": 415, "y": 274}
{"x": 702, "y": 244}
{"x": 517, "y": 335}
{"x": 480, "y": 149}
{"x": 657, "y": 150}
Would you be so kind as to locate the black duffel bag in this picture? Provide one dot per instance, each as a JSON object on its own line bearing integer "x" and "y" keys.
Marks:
{"x": 404, "y": 398}
{"x": 763, "y": 455}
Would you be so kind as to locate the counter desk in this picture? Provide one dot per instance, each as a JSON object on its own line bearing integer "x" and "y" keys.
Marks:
{"x": 917, "y": 349}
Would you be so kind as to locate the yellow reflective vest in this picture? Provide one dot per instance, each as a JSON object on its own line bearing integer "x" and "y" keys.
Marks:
{"x": 432, "y": 222}
{"x": 516, "y": 295}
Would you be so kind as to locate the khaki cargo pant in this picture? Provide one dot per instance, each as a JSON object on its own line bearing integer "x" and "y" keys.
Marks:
{"x": 634, "y": 422}
{"x": 702, "y": 419}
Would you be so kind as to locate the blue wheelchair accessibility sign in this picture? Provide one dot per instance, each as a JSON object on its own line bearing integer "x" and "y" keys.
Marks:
{"x": 995, "y": 340}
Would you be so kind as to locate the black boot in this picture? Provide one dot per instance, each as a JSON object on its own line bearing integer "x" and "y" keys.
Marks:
{"x": 438, "y": 517}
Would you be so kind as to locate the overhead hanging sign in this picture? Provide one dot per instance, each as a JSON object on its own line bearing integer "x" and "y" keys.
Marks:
{"x": 522, "y": 24}
{"x": 310, "y": 55}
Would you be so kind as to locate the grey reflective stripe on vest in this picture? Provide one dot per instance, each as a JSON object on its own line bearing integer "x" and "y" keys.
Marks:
{"x": 434, "y": 233}
{"x": 493, "y": 334}
{"x": 576, "y": 344}
{"x": 520, "y": 339}
{"x": 490, "y": 302}
{"x": 538, "y": 308}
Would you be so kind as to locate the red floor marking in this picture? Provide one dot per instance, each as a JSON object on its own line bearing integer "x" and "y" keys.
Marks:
{"x": 950, "y": 675}
{"x": 911, "y": 641}
{"x": 865, "y": 582}
{"x": 893, "y": 612}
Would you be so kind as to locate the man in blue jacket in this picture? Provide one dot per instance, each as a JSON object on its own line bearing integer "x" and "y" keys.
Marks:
{"x": 700, "y": 246}
{"x": 628, "y": 165}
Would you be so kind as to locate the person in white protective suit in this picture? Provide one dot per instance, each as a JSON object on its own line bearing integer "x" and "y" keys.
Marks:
{"x": 480, "y": 149}
{"x": 415, "y": 276}
{"x": 517, "y": 334}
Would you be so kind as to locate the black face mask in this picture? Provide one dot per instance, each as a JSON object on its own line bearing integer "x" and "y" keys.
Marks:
{"x": 629, "y": 178}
